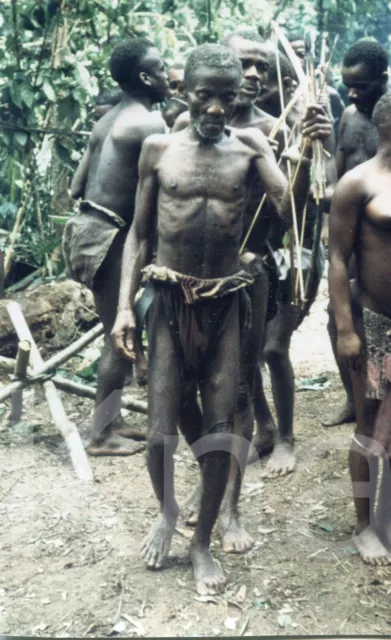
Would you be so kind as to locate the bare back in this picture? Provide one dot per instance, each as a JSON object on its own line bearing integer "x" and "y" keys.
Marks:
{"x": 116, "y": 140}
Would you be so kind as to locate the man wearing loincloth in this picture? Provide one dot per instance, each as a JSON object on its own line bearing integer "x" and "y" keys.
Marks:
{"x": 192, "y": 194}
{"x": 360, "y": 226}
{"x": 280, "y": 329}
{"x": 364, "y": 73}
{"x": 106, "y": 181}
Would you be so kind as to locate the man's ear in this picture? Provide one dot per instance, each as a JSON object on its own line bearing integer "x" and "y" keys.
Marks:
{"x": 144, "y": 78}
{"x": 384, "y": 80}
{"x": 288, "y": 85}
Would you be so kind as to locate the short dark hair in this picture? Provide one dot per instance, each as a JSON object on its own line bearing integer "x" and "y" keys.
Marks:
{"x": 125, "y": 61}
{"x": 370, "y": 53}
{"x": 382, "y": 112}
{"x": 287, "y": 70}
{"x": 213, "y": 56}
{"x": 245, "y": 34}
{"x": 109, "y": 96}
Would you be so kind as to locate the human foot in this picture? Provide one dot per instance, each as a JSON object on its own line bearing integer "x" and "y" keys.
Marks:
{"x": 208, "y": 575}
{"x": 192, "y": 507}
{"x": 261, "y": 445}
{"x": 156, "y": 545}
{"x": 122, "y": 428}
{"x": 342, "y": 415}
{"x": 234, "y": 537}
{"x": 114, "y": 445}
{"x": 282, "y": 461}
{"x": 371, "y": 549}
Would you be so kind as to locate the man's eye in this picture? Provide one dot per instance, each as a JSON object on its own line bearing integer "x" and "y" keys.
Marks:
{"x": 202, "y": 95}
{"x": 230, "y": 97}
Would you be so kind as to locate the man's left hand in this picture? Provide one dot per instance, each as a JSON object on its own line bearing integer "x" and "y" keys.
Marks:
{"x": 316, "y": 124}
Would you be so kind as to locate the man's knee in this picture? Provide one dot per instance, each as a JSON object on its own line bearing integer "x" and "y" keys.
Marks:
{"x": 275, "y": 354}
{"x": 160, "y": 442}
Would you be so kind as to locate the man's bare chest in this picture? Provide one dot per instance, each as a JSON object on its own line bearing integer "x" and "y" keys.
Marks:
{"x": 203, "y": 174}
{"x": 359, "y": 138}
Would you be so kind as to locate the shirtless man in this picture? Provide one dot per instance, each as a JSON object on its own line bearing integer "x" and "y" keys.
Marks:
{"x": 360, "y": 226}
{"x": 364, "y": 73}
{"x": 192, "y": 192}
{"x": 280, "y": 329}
{"x": 106, "y": 181}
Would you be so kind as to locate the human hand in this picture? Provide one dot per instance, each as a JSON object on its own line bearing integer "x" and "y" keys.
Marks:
{"x": 316, "y": 123}
{"x": 349, "y": 349}
{"x": 123, "y": 334}
{"x": 274, "y": 145}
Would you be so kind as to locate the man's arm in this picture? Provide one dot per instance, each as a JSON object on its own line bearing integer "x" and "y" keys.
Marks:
{"x": 79, "y": 180}
{"x": 138, "y": 246}
{"x": 340, "y": 160}
{"x": 346, "y": 206}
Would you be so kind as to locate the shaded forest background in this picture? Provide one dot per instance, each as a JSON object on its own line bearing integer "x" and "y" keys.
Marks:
{"x": 54, "y": 63}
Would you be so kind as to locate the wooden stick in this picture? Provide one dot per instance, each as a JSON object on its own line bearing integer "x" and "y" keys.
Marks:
{"x": 289, "y": 171}
{"x": 81, "y": 390}
{"x": 22, "y": 284}
{"x": 66, "y": 428}
{"x": 21, "y": 364}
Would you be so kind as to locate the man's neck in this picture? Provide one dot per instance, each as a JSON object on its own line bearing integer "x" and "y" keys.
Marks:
{"x": 139, "y": 97}
{"x": 384, "y": 154}
{"x": 243, "y": 113}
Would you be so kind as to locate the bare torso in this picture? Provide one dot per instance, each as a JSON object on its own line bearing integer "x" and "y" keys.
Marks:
{"x": 201, "y": 200}
{"x": 358, "y": 140}
{"x": 373, "y": 245}
{"x": 114, "y": 153}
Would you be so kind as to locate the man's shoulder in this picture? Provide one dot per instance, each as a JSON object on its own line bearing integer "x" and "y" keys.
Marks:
{"x": 135, "y": 124}
{"x": 253, "y": 138}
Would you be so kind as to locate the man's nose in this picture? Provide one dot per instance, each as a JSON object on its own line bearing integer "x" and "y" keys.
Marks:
{"x": 352, "y": 94}
{"x": 216, "y": 108}
{"x": 252, "y": 72}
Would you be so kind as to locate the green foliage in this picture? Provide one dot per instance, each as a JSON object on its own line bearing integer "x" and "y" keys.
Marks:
{"x": 55, "y": 61}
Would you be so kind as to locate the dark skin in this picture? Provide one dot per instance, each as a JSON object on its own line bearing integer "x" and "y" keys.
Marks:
{"x": 278, "y": 336}
{"x": 360, "y": 226}
{"x": 358, "y": 142}
{"x": 108, "y": 176}
{"x": 199, "y": 228}
{"x": 254, "y": 59}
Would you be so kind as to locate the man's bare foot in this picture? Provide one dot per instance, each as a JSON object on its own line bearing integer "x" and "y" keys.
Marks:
{"x": 342, "y": 415}
{"x": 156, "y": 545}
{"x": 114, "y": 445}
{"x": 234, "y": 537}
{"x": 282, "y": 461}
{"x": 208, "y": 575}
{"x": 262, "y": 444}
{"x": 371, "y": 549}
{"x": 123, "y": 429}
{"x": 192, "y": 507}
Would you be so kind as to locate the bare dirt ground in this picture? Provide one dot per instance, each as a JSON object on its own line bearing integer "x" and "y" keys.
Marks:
{"x": 70, "y": 565}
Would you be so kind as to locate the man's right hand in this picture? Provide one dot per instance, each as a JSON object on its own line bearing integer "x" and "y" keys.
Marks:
{"x": 349, "y": 349}
{"x": 123, "y": 334}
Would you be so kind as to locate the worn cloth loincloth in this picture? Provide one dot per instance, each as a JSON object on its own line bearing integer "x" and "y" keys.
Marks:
{"x": 196, "y": 310}
{"x": 377, "y": 337}
{"x": 377, "y": 330}
{"x": 87, "y": 239}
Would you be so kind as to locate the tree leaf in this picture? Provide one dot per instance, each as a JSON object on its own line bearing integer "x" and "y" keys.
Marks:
{"x": 49, "y": 91}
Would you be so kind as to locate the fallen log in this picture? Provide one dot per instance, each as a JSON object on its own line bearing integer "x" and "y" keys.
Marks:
{"x": 66, "y": 428}
{"x": 56, "y": 313}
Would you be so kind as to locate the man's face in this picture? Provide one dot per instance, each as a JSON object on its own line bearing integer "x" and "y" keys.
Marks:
{"x": 254, "y": 59}
{"x": 211, "y": 94}
{"x": 298, "y": 47}
{"x": 363, "y": 91}
{"x": 175, "y": 82}
{"x": 153, "y": 65}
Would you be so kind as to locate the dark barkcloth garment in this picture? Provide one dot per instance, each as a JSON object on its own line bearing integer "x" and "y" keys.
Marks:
{"x": 377, "y": 331}
{"x": 87, "y": 239}
{"x": 196, "y": 310}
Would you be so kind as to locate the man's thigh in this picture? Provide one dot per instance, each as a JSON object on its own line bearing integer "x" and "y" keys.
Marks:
{"x": 220, "y": 375}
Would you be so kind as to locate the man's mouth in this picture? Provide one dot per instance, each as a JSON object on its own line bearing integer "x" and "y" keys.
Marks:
{"x": 250, "y": 89}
